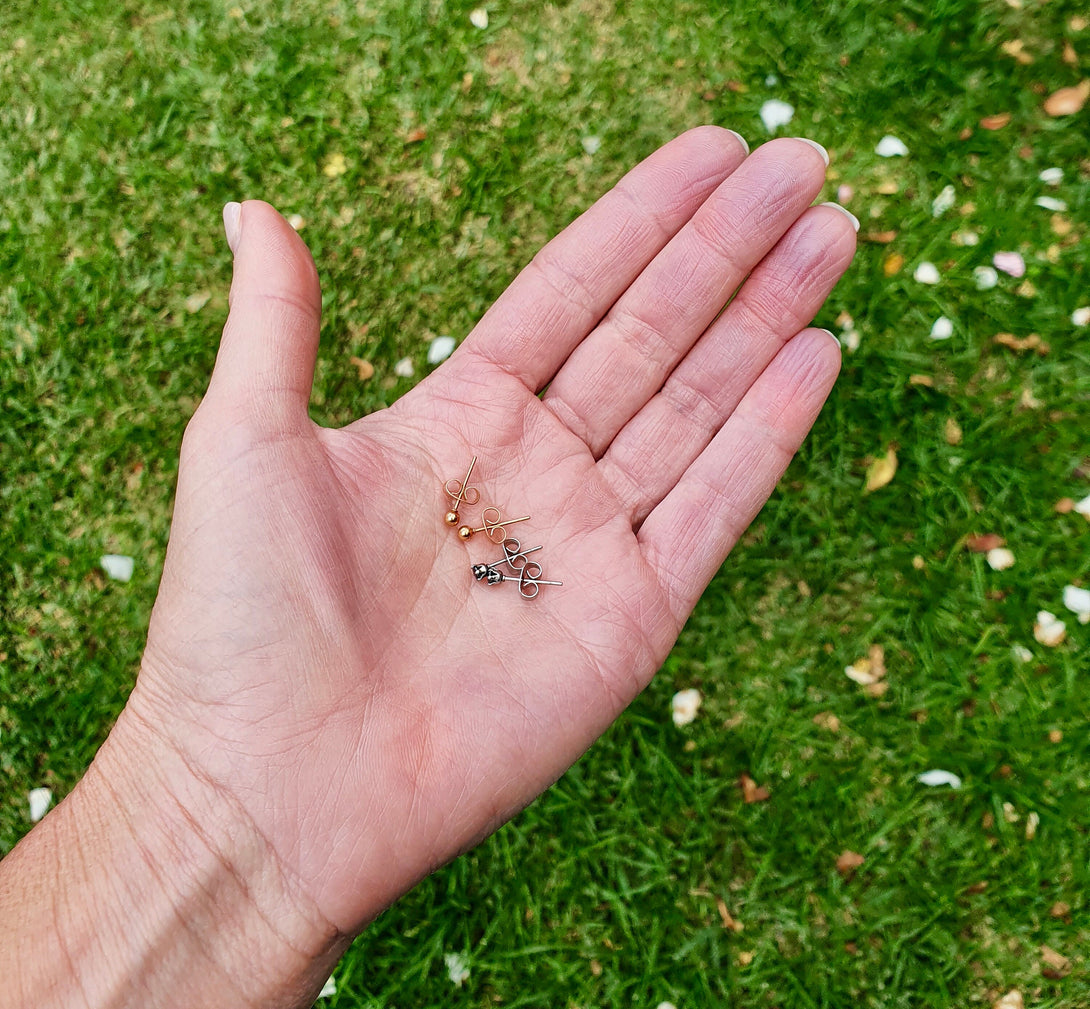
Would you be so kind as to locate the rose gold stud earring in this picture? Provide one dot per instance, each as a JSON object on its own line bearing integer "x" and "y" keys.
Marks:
{"x": 460, "y": 493}
{"x": 495, "y": 527}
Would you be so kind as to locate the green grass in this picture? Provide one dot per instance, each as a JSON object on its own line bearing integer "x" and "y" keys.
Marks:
{"x": 127, "y": 125}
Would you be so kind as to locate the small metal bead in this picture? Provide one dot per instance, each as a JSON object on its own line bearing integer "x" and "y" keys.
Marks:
{"x": 451, "y": 518}
{"x": 464, "y": 532}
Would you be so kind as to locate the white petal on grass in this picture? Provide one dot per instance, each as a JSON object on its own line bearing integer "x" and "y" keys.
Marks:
{"x": 666, "y": 1005}
{"x": 849, "y": 340}
{"x": 1052, "y": 176}
{"x": 1049, "y": 630}
{"x": 1010, "y": 262}
{"x": 1021, "y": 653}
{"x": 986, "y": 277}
{"x": 297, "y": 221}
{"x": 684, "y": 706}
{"x": 775, "y": 114}
{"x": 890, "y": 147}
{"x": 942, "y": 329}
{"x": 1051, "y": 203}
{"x": 457, "y": 968}
{"x": 944, "y": 201}
{"x": 592, "y": 145}
{"x": 1000, "y": 558}
{"x": 927, "y": 273}
{"x": 965, "y": 238}
{"x": 39, "y": 800}
{"x": 440, "y": 349}
{"x": 1083, "y": 506}
{"x": 479, "y": 18}
{"x": 1078, "y": 602}
{"x": 937, "y": 778}
{"x": 329, "y": 988}
{"x": 864, "y": 677}
{"x": 1081, "y": 316}
{"x": 404, "y": 368}
{"x": 118, "y": 566}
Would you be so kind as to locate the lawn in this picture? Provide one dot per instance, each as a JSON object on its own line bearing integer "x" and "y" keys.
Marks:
{"x": 426, "y": 159}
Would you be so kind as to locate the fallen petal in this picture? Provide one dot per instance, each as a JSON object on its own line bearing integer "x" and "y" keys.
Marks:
{"x": 927, "y": 273}
{"x": 479, "y": 18}
{"x": 457, "y": 968}
{"x": 848, "y": 861}
{"x": 40, "y": 800}
{"x": 684, "y": 705}
{"x": 890, "y": 147}
{"x": 1051, "y": 203}
{"x": 1048, "y": 630}
{"x": 440, "y": 349}
{"x": 1033, "y": 821}
{"x": 1083, "y": 506}
{"x": 1009, "y": 262}
{"x": 775, "y": 114}
{"x": 1081, "y": 316}
{"x": 1078, "y": 602}
{"x": 1000, "y": 559}
{"x": 933, "y": 779}
{"x": 1021, "y": 653}
{"x": 1052, "y": 176}
{"x": 986, "y": 277}
{"x": 404, "y": 368}
{"x": 943, "y": 202}
{"x": 117, "y": 566}
{"x": 329, "y": 988}
{"x": 942, "y": 329}
{"x": 592, "y": 145}
{"x": 1012, "y": 1000}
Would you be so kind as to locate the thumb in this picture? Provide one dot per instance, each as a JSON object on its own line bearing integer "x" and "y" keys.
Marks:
{"x": 266, "y": 358}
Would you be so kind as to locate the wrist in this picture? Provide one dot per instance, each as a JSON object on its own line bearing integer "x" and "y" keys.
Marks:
{"x": 159, "y": 892}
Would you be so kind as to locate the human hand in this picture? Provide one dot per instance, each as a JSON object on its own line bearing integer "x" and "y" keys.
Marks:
{"x": 322, "y": 667}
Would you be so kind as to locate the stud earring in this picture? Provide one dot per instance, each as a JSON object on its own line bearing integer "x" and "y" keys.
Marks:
{"x": 460, "y": 493}
{"x": 529, "y": 577}
{"x": 495, "y": 527}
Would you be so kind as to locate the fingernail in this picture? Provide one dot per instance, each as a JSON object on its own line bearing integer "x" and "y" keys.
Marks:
{"x": 741, "y": 140}
{"x": 232, "y": 224}
{"x": 817, "y": 147}
{"x": 834, "y": 336}
{"x": 847, "y": 213}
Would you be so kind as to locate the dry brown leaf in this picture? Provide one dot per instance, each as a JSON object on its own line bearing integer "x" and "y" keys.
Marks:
{"x": 729, "y": 921}
{"x": 1068, "y": 101}
{"x": 196, "y": 301}
{"x": 1031, "y": 342}
{"x": 996, "y": 122}
{"x": 745, "y": 957}
{"x": 1055, "y": 736}
{"x": 879, "y": 237}
{"x": 1017, "y": 49}
{"x": 1060, "y": 909}
{"x": 827, "y": 720}
{"x": 952, "y": 431}
{"x": 1070, "y": 57}
{"x": 881, "y": 471}
{"x": 365, "y": 368}
{"x": 1012, "y": 1000}
{"x": 1064, "y": 506}
{"x": 1078, "y": 23}
{"x": 924, "y": 380}
{"x": 887, "y": 187}
{"x": 415, "y": 136}
{"x": 1061, "y": 226}
{"x": 985, "y": 542}
{"x": 876, "y": 689}
{"x": 751, "y": 791}
{"x": 1054, "y": 961}
{"x": 893, "y": 263}
{"x": 847, "y": 862}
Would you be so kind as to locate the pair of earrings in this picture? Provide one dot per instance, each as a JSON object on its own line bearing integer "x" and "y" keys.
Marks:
{"x": 525, "y": 572}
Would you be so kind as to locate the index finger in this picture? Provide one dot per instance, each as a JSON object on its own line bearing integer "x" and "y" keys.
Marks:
{"x": 572, "y": 282}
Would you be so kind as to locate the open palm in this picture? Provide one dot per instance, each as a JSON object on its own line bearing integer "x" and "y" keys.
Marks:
{"x": 321, "y": 654}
